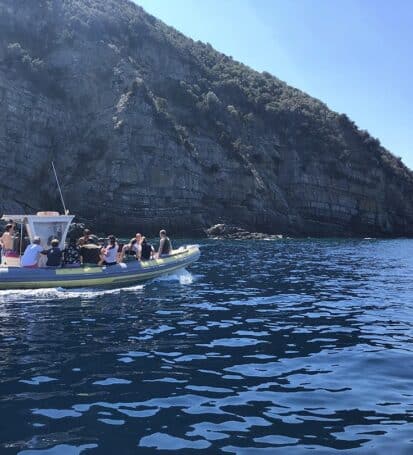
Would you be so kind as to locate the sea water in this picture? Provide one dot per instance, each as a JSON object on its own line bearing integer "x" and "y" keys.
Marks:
{"x": 289, "y": 346}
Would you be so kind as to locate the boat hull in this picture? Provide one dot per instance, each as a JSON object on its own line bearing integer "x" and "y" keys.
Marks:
{"x": 118, "y": 275}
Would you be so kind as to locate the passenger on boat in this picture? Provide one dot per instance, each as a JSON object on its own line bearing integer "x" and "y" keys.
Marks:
{"x": 54, "y": 254}
{"x": 7, "y": 240}
{"x": 71, "y": 254}
{"x": 31, "y": 254}
{"x": 110, "y": 253}
{"x": 165, "y": 245}
{"x": 85, "y": 238}
{"x": 133, "y": 248}
{"x": 90, "y": 253}
{"x": 147, "y": 250}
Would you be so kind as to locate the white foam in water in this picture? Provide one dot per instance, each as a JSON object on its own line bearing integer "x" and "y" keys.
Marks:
{"x": 181, "y": 275}
{"x": 61, "y": 293}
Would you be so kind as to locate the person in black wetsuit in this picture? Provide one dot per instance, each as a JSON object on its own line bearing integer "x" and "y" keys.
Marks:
{"x": 165, "y": 245}
{"x": 147, "y": 250}
{"x": 54, "y": 254}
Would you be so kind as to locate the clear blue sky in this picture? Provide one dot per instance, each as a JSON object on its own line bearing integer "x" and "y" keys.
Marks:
{"x": 354, "y": 55}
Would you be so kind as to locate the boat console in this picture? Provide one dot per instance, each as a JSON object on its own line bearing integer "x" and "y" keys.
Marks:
{"x": 46, "y": 225}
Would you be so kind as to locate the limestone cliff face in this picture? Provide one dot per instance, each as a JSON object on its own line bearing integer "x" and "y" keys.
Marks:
{"x": 148, "y": 128}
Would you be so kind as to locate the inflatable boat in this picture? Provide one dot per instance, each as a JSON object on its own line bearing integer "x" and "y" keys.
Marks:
{"x": 48, "y": 226}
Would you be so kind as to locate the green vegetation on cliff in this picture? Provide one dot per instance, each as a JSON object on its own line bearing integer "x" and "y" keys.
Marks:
{"x": 138, "y": 90}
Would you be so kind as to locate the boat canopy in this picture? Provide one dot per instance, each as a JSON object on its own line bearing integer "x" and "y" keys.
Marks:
{"x": 46, "y": 225}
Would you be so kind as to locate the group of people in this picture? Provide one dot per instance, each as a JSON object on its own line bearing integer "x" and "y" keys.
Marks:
{"x": 92, "y": 251}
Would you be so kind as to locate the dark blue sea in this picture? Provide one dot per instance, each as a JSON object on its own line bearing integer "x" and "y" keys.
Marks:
{"x": 278, "y": 347}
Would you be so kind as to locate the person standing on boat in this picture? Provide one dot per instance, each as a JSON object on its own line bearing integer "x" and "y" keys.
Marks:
{"x": 165, "y": 245}
{"x": 31, "y": 254}
{"x": 110, "y": 253}
{"x": 7, "y": 240}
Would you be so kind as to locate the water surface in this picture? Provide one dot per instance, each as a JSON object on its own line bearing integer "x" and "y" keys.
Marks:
{"x": 289, "y": 346}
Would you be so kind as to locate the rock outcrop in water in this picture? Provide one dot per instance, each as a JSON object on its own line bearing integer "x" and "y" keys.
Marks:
{"x": 224, "y": 231}
{"x": 149, "y": 128}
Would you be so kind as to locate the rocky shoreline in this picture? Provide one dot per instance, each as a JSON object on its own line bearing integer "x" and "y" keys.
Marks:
{"x": 229, "y": 232}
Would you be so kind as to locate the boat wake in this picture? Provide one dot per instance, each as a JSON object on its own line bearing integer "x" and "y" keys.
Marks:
{"x": 61, "y": 293}
{"x": 181, "y": 275}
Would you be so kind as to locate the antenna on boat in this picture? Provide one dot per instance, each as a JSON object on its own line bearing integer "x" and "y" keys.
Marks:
{"x": 60, "y": 189}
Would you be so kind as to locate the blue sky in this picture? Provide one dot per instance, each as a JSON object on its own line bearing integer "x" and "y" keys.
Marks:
{"x": 354, "y": 55}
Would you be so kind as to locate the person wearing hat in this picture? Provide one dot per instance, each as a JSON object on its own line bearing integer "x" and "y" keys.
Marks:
{"x": 54, "y": 254}
{"x": 31, "y": 254}
{"x": 110, "y": 253}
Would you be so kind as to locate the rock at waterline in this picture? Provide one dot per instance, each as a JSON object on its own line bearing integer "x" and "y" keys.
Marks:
{"x": 225, "y": 231}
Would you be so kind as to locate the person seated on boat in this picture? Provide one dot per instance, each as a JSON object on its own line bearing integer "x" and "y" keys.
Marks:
{"x": 110, "y": 252}
{"x": 128, "y": 250}
{"x": 147, "y": 250}
{"x": 31, "y": 254}
{"x": 88, "y": 237}
{"x": 133, "y": 248}
{"x": 85, "y": 238}
{"x": 165, "y": 245}
{"x": 7, "y": 239}
{"x": 54, "y": 254}
{"x": 71, "y": 254}
{"x": 90, "y": 253}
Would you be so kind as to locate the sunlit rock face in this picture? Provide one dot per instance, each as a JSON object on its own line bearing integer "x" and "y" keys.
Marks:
{"x": 150, "y": 129}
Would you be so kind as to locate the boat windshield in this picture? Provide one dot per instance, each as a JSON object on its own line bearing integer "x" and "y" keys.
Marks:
{"x": 48, "y": 231}
{"x": 46, "y": 225}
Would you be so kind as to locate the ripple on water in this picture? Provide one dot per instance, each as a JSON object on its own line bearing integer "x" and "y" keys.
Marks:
{"x": 163, "y": 441}
{"x": 60, "y": 449}
{"x": 37, "y": 380}
{"x": 112, "y": 381}
{"x": 288, "y": 346}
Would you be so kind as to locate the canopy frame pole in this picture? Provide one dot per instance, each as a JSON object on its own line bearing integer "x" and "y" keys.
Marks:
{"x": 21, "y": 238}
{"x": 60, "y": 190}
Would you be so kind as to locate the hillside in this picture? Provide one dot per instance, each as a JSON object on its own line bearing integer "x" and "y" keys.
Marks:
{"x": 149, "y": 128}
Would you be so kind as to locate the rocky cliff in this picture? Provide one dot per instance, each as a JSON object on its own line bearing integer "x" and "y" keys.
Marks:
{"x": 149, "y": 128}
